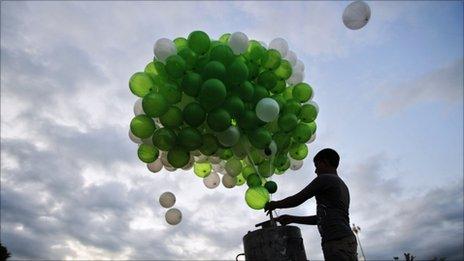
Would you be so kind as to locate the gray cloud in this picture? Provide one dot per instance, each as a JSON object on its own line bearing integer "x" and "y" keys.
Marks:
{"x": 444, "y": 84}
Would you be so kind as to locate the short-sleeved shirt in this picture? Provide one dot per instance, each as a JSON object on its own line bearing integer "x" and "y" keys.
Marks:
{"x": 333, "y": 201}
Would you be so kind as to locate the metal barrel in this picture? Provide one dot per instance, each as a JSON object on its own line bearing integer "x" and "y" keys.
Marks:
{"x": 281, "y": 243}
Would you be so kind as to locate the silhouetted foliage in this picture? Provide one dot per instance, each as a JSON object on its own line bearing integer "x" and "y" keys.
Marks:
{"x": 4, "y": 254}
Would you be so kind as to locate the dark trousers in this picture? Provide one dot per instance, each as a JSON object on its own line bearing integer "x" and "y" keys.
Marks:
{"x": 344, "y": 249}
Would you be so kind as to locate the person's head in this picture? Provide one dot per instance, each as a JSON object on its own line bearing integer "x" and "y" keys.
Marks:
{"x": 326, "y": 161}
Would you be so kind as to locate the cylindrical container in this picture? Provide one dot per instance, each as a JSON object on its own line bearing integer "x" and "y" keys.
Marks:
{"x": 280, "y": 243}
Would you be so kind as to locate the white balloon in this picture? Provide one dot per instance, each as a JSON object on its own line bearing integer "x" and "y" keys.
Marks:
{"x": 173, "y": 216}
{"x": 189, "y": 164}
{"x": 356, "y": 15}
{"x": 201, "y": 159}
{"x": 134, "y": 138}
{"x": 164, "y": 48}
{"x": 228, "y": 137}
{"x": 148, "y": 141}
{"x": 291, "y": 57}
{"x": 196, "y": 153}
{"x": 296, "y": 77}
{"x": 138, "y": 107}
{"x": 280, "y": 45}
{"x": 214, "y": 159}
{"x": 229, "y": 181}
{"x": 295, "y": 164}
{"x": 155, "y": 166}
{"x": 218, "y": 168}
{"x": 299, "y": 66}
{"x": 267, "y": 109}
{"x": 212, "y": 180}
{"x": 313, "y": 137}
{"x": 167, "y": 199}
{"x": 238, "y": 42}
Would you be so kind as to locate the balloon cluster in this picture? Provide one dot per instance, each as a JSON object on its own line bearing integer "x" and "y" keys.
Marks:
{"x": 230, "y": 106}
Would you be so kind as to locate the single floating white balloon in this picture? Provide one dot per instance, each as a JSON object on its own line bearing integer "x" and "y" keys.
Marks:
{"x": 167, "y": 199}
{"x": 280, "y": 45}
{"x": 173, "y": 216}
{"x": 291, "y": 57}
{"x": 238, "y": 42}
{"x": 155, "y": 166}
{"x": 138, "y": 107}
{"x": 295, "y": 164}
{"x": 296, "y": 77}
{"x": 356, "y": 15}
{"x": 164, "y": 48}
{"x": 267, "y": 109}
{"x": 134, "y": 138}
{"x": 229, "y": 181}
{"x": 228, "y": 137}
{"x": 212, "y": 180}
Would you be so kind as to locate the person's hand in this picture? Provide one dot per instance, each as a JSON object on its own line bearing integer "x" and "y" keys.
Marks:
{"x": 284, "y": 219}
{"x": 269, "y": 207}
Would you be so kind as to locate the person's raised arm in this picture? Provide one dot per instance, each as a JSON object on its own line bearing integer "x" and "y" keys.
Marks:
{"x": 306, "y": 220}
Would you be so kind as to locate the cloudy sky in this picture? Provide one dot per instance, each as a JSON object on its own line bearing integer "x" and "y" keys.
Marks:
{"x": 72, "y": 187}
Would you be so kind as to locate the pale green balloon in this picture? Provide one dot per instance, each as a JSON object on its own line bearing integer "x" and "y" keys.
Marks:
{"x": 256, "y": 197}
{"x": 267, "y": 109}
{"x": 233, "y": 167}
{"x": 202, "y": 169}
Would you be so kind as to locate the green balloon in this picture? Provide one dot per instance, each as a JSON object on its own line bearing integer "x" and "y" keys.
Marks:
{"x": 141, "y": 84}
{"x": 308, "y": 113}
{"x": 256, "y": 156}
{"x": 240, "y": 180}
{"x": 237, "y": 72}
{"x": 268, "y": 80}
{"x": 280, "y": 161}
{"x": 142, "y": 126}
{"x": 213, "y": 44}
{"x": 284, "y": 71}
{"x": 282, "y": 141}
{"x": 247, "y": 171}
{"x": 218, "y": 119}
{"x": 234, "y": 105}
{"x": 253, "y": 70}
{"x": 178, "y": 157}
{"x": 172, "y": 118}
{"x": 214, "y": 70}
{"x": 271, "y": 59}
{"x": 271, "y": 186}
{"x": 280, "y": 100}
{"x": 224, "y": 38}
{"x": 147, "y": 153}
{"x": 298, "y": 151}
{"x": 260, "y": 93}
{"x": 225, "y": 154}
{"x": 190, "y": 138}
{"x": 191, "y": 84}
{"x": 223, "y": 54}
{"x": 160, "y": 68}
{"x": 189, "y": 56}
{"x": 154, "y": 105}
{"x": 175, "y": 66}
{"x": 313, "y": 126}
{"x": 212, "y": 94}
{"x": 253, "y": 180}
{"x": 171, "y": 93}
{"x": 193, "y": 114}
{"x": 150, "y": 70}
{"x": 246, "y": 91}
{"x": 292, "y": 106}
{"x": 164, "y": 139}
{"x": 202, "y": 60}
{"x": 255, "y": 50}
{"x": 202, "y": 169}
{"x": 266, "y": 169}
{"x": 239, "y": 150}
{"x": 302, "y": 92}
{"x": 288, "y": 93}
{"x": 260, "y": 138}
{"x": 287, "y": 122}
{"x": 248, "y": 120}
{"x": 233, "y": 167}
{"x": 180, "y": 43}
{"x": 302, "y": 133}
{"x": 279, "y": 87}
{"x": 281, "y": 170}
{"x": 256, "y": 197}
{"x": 209, "y": 144}
{"x": 199, "y": 42}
